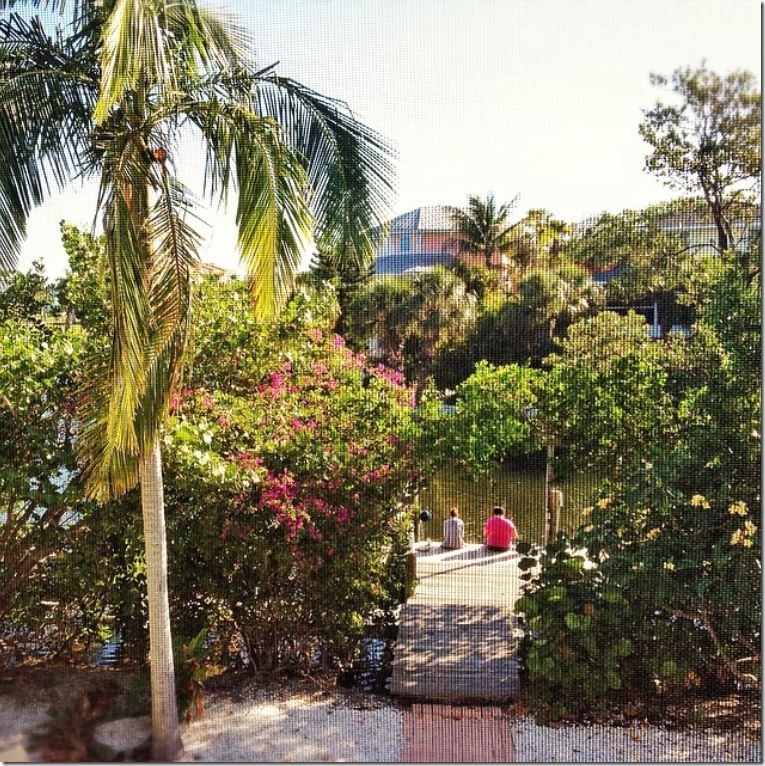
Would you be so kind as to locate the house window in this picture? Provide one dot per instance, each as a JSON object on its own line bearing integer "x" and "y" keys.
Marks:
{"x": 406, "y": 243}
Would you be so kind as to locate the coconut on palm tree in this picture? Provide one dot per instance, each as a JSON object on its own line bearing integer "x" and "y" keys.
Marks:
{"x": 107, "y": 95}
{"x": 484, "y": 229}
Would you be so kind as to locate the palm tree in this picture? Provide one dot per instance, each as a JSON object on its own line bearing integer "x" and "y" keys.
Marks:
{"x": 106, "y": 96}
{"x": 540, "y": 237}
{"x": 441, "y": 309}
{"x": 411, "y": 317}
{"x": 379, "y": 317}
{"x": 483, "y": 228}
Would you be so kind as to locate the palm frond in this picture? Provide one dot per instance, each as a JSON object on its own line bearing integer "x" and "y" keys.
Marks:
{"x": 134, "y": 51}
{"x": 80, "y": 9}
{"x": 46, "y": 91}
{"x": 273, "y": 220}
{"x": 164, "y": 45}
{"x": 272, "y": 216}
{"x": 349, "y": 166}
{"x": 108, "y": 471}
{"x": 128, "y": 261}
{"x": 175, "y": 251}
{"x": 215, "y": 38}
{"x": 111, "y": 445}
{"x": 151, "y": 266}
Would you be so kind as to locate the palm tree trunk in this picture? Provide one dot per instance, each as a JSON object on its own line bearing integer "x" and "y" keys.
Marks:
{"x": 166, "y": 741}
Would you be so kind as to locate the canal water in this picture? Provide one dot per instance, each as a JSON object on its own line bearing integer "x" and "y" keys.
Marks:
{"x": 369, "y": 671}
{"x": 518, "y": 488}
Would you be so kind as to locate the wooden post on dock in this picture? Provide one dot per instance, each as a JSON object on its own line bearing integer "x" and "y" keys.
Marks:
{"x": 548, "y": 535}
{"x": 554, "y": 504}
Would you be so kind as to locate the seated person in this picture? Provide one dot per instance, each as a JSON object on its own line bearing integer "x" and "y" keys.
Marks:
{"x": 454, "y": 530}
{"x": 499, "y": 531}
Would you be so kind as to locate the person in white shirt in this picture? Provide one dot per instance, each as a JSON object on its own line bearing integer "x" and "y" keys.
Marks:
{"x": 454, "y": 530}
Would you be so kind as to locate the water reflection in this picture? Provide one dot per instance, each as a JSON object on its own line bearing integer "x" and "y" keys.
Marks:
{"x": 519, "y": 489}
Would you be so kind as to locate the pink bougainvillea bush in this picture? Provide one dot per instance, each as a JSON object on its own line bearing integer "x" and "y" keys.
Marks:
{"x": 290, "y": 466}
{"x": 288, "y": 483}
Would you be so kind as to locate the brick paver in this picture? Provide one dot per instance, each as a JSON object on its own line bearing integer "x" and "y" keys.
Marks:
{"x": 456, "y": 734}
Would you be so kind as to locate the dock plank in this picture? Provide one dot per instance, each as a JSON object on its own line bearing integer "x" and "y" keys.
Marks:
{"x": 458, "y": 636}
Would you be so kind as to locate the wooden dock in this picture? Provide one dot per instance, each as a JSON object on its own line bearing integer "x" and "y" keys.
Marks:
{"x": 458, "y": 637}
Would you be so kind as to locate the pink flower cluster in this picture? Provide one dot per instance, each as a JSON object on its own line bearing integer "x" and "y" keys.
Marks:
{"x": 297, "y": 507}
{"x": 298, "y": 425}
{"x": 276, "y": 382}
{"x": 394, "y": 377}
{"x": 247, "y": 460}
{"x": 178, "y": 397}
{"x": 376, "y": 474}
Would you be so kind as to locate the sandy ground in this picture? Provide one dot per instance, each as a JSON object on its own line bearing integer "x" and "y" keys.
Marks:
{"x": 306, "y": 724}
{"x": 326, "y": 730}
{"x": 296, "y": 729}
{"x": 631, "y": 744}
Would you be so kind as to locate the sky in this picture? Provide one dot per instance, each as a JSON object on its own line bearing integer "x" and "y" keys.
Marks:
{"x": 536, "y": 98}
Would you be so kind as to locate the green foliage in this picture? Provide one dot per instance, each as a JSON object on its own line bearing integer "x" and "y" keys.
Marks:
{"x": 493, "y": 418}
{"x": 672, "y": 533}
{"x": 347, "y": 277}
{"x": 38, "y": 384}
{"x": 27, "y": 296}
{"x": 708, "y": 140}
{"x": 580, "y": 658}
{"x": 410, "y": 320}
{"x": 538, "y": 240}
{"x": 606, "y": 392}
{"x": 285, "y": 494}
{"x": 484, "y": 283}
{"x": 521, "y": 328}
{"x": 289, "y": 463}
{"x": 84, "y": 292}
{"x": 647, "y": 260}
{"x": 483, "y": 228}
{"x": 192, "y": 669}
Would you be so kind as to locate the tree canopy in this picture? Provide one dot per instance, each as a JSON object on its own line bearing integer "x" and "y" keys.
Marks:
{"x": 710, "y": 141}
{"x": 483, "y": 228}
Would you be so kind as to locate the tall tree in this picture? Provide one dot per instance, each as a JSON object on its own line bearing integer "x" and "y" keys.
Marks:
{"x": 440, "y": 308}
{"x": 105, "y": 96}
{"x": 483, "y": 228}
{"x": 646, "y": 259}
{"x": 709, "y": 142}
{"x": 347, "y": 277}
{"x": 410, "y": 318}
{"x": 379, "y": 317}
{"x": 537, "y": 237}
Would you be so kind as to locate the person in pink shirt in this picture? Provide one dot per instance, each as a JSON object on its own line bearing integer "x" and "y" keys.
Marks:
{"x": 499, "y": 531}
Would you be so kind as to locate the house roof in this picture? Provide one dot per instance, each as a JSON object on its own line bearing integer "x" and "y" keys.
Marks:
{"x": 688, "y": 219}
{"x": 422, "y": 219}
{"x": 405, "y": 263}
{"x": 210, "y": 269}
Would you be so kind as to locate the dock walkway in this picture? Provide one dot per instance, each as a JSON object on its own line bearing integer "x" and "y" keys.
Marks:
{"x": 458, "y": 637}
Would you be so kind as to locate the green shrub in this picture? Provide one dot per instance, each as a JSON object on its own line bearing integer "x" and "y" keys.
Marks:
{"x": 577, "y": 654}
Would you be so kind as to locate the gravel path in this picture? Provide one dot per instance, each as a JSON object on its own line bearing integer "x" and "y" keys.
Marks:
{"x": 630, "y": 744}
{"x": 336, "y": 726}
